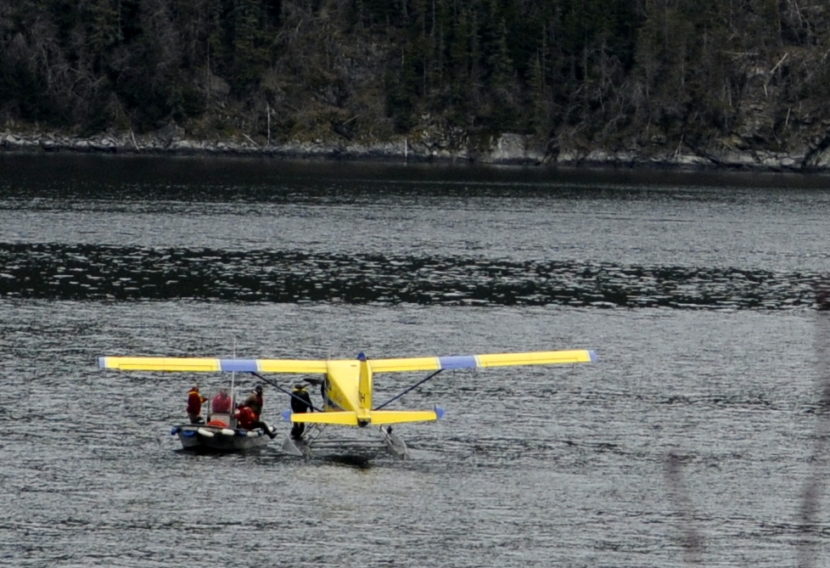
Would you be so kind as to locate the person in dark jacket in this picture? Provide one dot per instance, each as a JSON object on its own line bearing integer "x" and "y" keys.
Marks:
{"x": 300, "y": 402}
{"x": 255, "y": 401}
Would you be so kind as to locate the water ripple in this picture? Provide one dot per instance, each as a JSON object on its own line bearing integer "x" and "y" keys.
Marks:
{"x": 91, "y": 272}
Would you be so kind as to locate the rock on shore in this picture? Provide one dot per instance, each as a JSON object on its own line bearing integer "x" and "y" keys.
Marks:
{"x": 508, "y": 148}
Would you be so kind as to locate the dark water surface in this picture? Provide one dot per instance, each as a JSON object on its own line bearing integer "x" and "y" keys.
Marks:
{"x": 693, "y": 441}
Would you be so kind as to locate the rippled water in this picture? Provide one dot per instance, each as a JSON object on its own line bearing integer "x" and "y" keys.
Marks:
{"x": 693, "y": 441}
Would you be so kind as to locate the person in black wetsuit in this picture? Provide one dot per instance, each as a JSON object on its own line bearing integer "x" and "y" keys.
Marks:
{"x": 300, "y": 402}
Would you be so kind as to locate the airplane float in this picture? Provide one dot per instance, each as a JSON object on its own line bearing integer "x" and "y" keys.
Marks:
{"x": 346, "y": 386}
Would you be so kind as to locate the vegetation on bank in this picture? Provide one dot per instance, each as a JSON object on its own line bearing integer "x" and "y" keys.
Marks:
{"x": 617, "y": 75}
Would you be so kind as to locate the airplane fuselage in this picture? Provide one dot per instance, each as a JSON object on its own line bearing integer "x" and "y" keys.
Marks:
{"x": 348, "y": 387}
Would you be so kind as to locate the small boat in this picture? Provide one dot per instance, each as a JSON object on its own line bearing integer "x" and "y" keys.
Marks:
{"x": 219, "y": 434}
{"x": 222, "y": 431}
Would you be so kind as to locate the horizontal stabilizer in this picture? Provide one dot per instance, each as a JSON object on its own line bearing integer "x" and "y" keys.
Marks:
{"x": 376, "y": 417}
{"x": 344, "y": 418}
{"x": 400, "y": 416}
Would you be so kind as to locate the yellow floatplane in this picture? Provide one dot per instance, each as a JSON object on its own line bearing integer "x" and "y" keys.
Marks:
{"x": 347, "y": 384}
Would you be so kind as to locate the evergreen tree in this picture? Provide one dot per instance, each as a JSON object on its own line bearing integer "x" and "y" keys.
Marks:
{"x": 584, "y": 72}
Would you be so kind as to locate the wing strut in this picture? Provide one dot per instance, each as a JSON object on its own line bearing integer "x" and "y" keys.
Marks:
{"x": 413, "y": 387}
{"x": 279, "y": 388}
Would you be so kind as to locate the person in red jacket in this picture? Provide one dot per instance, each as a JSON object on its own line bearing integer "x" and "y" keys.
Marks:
{"x": 247, "y": 419}
{"x": 221, "y": 402}
{"x": 194, "y": 405}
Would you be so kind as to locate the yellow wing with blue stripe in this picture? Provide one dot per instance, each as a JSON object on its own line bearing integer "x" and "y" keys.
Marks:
{"x": 198, "y": 364}
{"x": 311, "y": 366}
{"x": 482, "y": 361}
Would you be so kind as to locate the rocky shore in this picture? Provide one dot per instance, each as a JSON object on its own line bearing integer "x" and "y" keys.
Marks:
{"x": 507, "y": 149}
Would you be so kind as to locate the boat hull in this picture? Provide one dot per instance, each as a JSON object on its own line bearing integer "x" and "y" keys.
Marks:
{"x": 218, "y": 439}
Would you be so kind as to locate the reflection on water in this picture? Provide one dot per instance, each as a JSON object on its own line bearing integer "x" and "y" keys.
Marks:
{"x": 619, "y": 218}
{"x": 86, "y": 272}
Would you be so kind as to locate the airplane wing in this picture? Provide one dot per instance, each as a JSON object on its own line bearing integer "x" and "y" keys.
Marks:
{"x": 311, "y": 366}
{"x": 482, "y": 361}
{"x": 198, "y": 364}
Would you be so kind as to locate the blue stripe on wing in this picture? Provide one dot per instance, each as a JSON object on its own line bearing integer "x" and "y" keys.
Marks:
{"x": 458, "y": 362}
{"x": 239, "y": 365}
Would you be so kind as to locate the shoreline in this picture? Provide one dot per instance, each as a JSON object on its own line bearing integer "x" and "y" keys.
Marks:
{"x": 507, "y": 150}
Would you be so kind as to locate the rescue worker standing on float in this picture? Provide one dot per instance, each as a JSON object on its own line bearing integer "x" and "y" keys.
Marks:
{"x": 194, "y": 405}
{"x": 300, "y": 402}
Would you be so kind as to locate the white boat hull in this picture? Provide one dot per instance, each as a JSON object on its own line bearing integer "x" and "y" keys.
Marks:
{"x": 219, "y": 439}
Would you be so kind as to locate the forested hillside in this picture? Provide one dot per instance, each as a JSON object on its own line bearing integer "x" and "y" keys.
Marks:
{"x": 706, "y": 77}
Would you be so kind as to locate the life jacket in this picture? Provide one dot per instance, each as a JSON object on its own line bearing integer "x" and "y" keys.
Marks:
{"x": 255, "y": 401}
{"x": 301, "y": 401}
{"x": 221, "y": 403}
{"x": 194, "y": 401}
{"x": 246, "y": 417}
